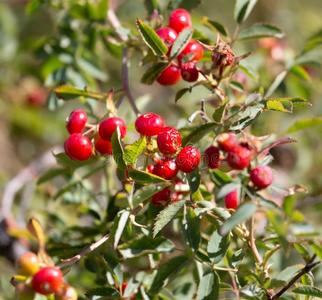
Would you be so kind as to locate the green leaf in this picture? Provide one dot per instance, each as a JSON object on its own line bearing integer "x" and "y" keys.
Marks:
{"x": 219, "y": 177}
{"x": 243, "y": 213}
{"x": 166, "y": 215}
{"x": 104, "y": 291}
{"x": 112, "y": 48}
{"x": 153, "y": 72}
{"x": 305, "y": 123}
{"x": 170, "y": 267}
{"x": 217, "y": 247}
{"x": 208, "y": 288}
{"x": 226, "y": 189}
{"x": 288, "y": 205}
{"x": 198, "y": 133}
{"x": 145, "y": 177}
{"x": 299, "y": 102}
{"x": 260, "y": 30}
{"x": 32, "y": 6}
{"x": 300, "y": 72}
{"x": 151, "y": 6}
{"x": 194, "y": 180}
{"x": 219, "y": 113}
{"x": 248, "y": 117}
{"x": 101, "y": 10}
{"x": 242, "y": 10}
{"x": 114, "y": 266}
{"x": 118, "y": 149}
{"x": 132, "y": 152}
{"x": 119, "y": 226}
{"x": 236, "y": 85}
{"x": 181, "y": 42}
{"x": 67, "y": 92}
{"x": 317, "y": 248}
{"x": 147, "y": 191}
{"x": 238, "y": 257}
{"x": 63, "y": 159}
{"x": 90, "y": 68}
{"x": 282, "y": 105}
{"x": 215, "y": 26}
{"x": 181, "y": 93}
{"x": 50, "y": 174}
{"x": 277, "y": 81}
{"x": 151, "y": 39}
{"x": 191, "y": 228}
{"x": 188, "y": 5}
{"x": 308, "y": 290}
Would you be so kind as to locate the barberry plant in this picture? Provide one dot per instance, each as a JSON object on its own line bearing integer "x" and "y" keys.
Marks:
{"x": 174, "y": 209}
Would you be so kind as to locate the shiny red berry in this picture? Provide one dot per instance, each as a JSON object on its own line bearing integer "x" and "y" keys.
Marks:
{"x": 189, "y": 72}
{"x": 239, "y": 158}
{"x": 103, "y": 147}
{"x": 108, "y": 126}
{"x": 150, "y": 168}
{"x": 168, "y": 36}
{"x": 166, "y": 168}
{"x": 262, "y": 176}
{"x": 227, "y": 141}
{"x": 27, "y": 264}
{"x": 231, "y": 200}
{"x": 180, "y": 19}
{"x": 78, "y": 147}
{"x": 192, "y": 47}
{"x": 161, "y": 198}
{"x": 169, "y": 140}
{"x": 188, "y": 159}
{"x": 76, "y": 121}
{"x": 169, "y": 76}
{"x": 212, "y": 157}
{"x": 149, "y": 124}
{"x": 47, "y": 280}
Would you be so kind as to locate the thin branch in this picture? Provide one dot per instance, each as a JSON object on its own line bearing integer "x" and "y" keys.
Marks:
{"x": 201, "y": 112}
{"x": 251, "y": 242}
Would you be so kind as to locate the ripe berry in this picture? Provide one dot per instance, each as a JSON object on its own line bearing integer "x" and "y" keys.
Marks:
{"x": 192, "y": 47}
{"x": 169, "y": 140}
{"x": 226, "y": 141}
{"x": 188, "y": 159}
{"x": 239, "y": 158}
{"x": 169, "y": 76}
{"x": 76, "y": 121}
{"x": 66, "y": 292}
{"x": 189, "y": 72}
{"x": 27, "y": 264}
{"x": 161, "y": 198}
{"x": 231, "y": 200}
{"x": 166, "y": 169}
{"x": 168, "y": 36}
{"x": 108, "y": 126}
{"x": 47, "y": 281}
{"x": 103, "y": 147}
{"x": 180, "y": 19}
{"x": 150, "y": 168}
{"x": 262, "y": 176}
{"x": 149, "y": 124}
{"x": 78, "y": 147}
{"x": 124, "y": 285}
{"x": 212, "y": 157}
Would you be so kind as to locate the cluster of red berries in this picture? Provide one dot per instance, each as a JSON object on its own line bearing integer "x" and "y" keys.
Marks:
{"x": 42, "y": 280}
{"x": 180, "y": 19}
{"x": 238, "y": 158}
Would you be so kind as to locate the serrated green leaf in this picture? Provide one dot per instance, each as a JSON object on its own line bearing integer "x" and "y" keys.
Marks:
{"x": 118, "y": 152}
{"x": 153, "y": 73}
{"x": 198, "y": 133}
{"x": 208, "y": 288}
{"x": 282, "y": 105}
{"x": 147, "y": 191}
{"x": 219, "y": 113}
{"x": 166, "y": 215}
{"x": 215, "y": 26}
{"x": 191, "y": 228}
{"x": 308, "y": 290}
{"x": 151, "y": 39}
{"x": 67, "y": 92}
{"x": 305, "y": 123}
{"x": 243, "y": 213}
{"x": 50, "y": 174}
{"x": 277, "y": 81}
{"x": 145, "y": 177}
{"x": 217, "y": 247}
{"x": 181, "y": 42}
{"x": 180, "y": 94}
{"x": 260, "y": 30}
{"x": 132, "y": 152}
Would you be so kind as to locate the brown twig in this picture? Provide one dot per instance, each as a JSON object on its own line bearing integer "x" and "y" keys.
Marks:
{"x": 201, "y": 112}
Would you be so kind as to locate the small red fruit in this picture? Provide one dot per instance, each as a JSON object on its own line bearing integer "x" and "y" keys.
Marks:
{"x": 149, "y": 124}
{"x": 168, "y": 36}
{"x": 227, "y": 141}
{"x": 76, "y": 121}
{"x": 262, "y": 176}
{"x": 239, "y": 158}
{"x": 188, "y": 159}
{"x": 78, "y": 147}
{"x": 108, "y": 126}
{"x": 180, "y": 19}
{"x": 161, "y": 198}
{"x": 212, "y": 157}
{"x": 192, "y": 47}
{"x": 124, "y": 285}
{"x": 47, "y": 280}
{"x": 231, "y": 200}
{"x": 66, "y": 292}
{"x": 166, "y": 169}
{"x": 150, "y": 168}
{"x": 169, "y": 76}
{"x": 103, "y": 147}
{"x": 27, "y": 264}
{"x": 169, "y": 140}
{"x": 189, "y": 72}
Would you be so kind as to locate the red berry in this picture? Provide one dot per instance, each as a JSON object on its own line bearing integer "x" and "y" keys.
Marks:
{"x": 262, "y": 176}
{"x": 180, "y": 19}
{"x": 27, "y": 264}
{"x": 192, "y": 47}
{"x": 108, "y": 126}
{"x": 166, "y": 169}
{"x": 103, "y": 147}
{"x": 37, "y": 97}
{"x": 168, "y": 36}
{"x": 226, "y": 141}
{"x": 169, "y": 76}
{"x": 150, "y": 168}
{"x": 47, "y": 280}
{"x": 78, "y": 147}
{"x": 161, "y": 198}
{"x": 239, "y": 158}
{"x": 149, "y": 124}
{"x": 66, "y": 292}
{"x": 76, "y": 121}
{"x": 189, "y": 72}
{"x": 230, "y": 59}
{"x": 212, "y": 157}
{"x": 124, "y": 285}
{"x": 231, "y": 200}
{"x": 188, "y": 159}
{"x": 169, "y": 140}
